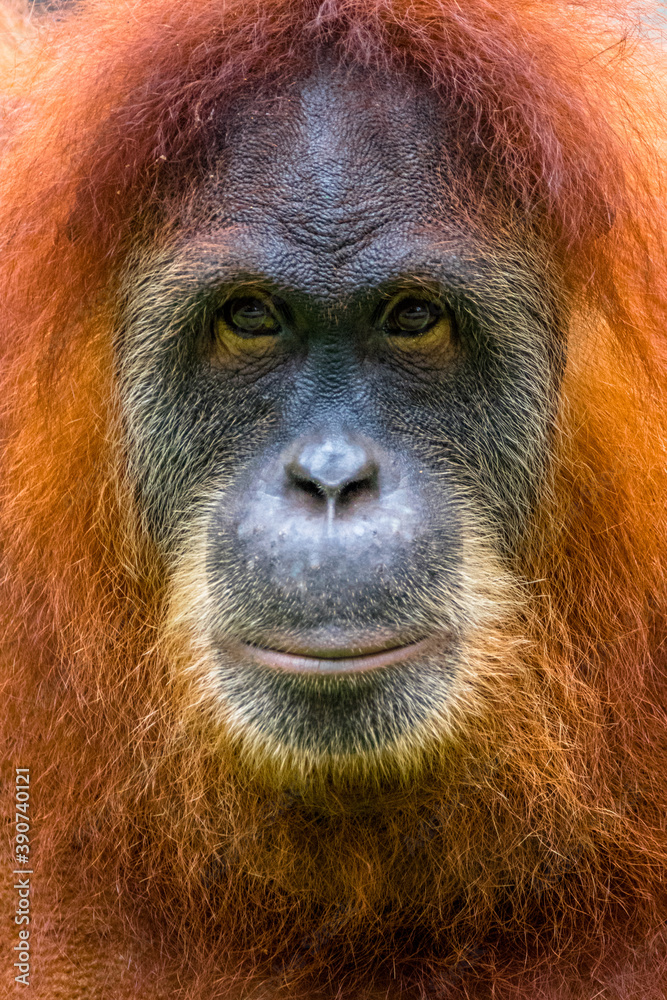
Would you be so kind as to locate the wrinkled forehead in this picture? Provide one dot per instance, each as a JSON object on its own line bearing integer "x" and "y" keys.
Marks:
{"x": 336, "y": 142}
{"x": 333, "y": 168}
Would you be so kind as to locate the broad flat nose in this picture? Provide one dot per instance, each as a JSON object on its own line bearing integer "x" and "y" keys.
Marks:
{"x": 334, "y": 468}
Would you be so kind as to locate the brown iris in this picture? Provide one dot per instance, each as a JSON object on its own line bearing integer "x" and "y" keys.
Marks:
{"x": 246, "y": 324}
{"x": 419, "y": 324}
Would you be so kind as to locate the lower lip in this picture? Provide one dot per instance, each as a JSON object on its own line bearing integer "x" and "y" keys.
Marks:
{"x": 295, "y": 664}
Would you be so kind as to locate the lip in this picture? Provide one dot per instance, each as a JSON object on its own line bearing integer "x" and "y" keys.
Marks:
{"x": 297, "y": 663}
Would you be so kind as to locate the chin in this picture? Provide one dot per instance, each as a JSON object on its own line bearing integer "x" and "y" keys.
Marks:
{"x": 359, "y": 715}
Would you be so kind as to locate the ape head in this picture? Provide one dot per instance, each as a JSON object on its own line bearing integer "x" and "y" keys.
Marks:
{"x": 334, "y": 499}
{"x": 337, "y": 389}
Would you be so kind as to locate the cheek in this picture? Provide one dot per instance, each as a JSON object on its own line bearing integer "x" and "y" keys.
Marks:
{"x": 489, "y": 425}
{"x": 184, "y": 437}
{"x": 515, "y": 433}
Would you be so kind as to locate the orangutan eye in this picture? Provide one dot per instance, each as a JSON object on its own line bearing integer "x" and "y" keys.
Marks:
{"x": 420, "y": 325}
{"x": 246, "y": 326}
{"x": 412, "y": 317}
{"x": 249, "y": 317}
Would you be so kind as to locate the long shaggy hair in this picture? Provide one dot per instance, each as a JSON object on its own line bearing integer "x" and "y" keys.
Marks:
{"x": 527, "y": 856}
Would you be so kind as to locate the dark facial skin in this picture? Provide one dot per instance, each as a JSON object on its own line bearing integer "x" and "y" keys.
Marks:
{"x": 338, "y": 388}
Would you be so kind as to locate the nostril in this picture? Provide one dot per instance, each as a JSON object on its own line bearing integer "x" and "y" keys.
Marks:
{"x": 333, "y": 470}
{"x": 350, "y": 491}
{"x": 309, "y": 487}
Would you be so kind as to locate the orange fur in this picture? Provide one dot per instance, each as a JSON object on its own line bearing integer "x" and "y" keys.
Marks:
{"x": 16, "y": 34}
{"x": 528, "y": 859}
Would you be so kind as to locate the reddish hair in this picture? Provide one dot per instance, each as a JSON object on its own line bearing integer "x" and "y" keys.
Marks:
{"x": 561, "y": 106}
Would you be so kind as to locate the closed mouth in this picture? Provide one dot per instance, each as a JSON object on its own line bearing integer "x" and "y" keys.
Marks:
{"x": 334, "y": 663}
